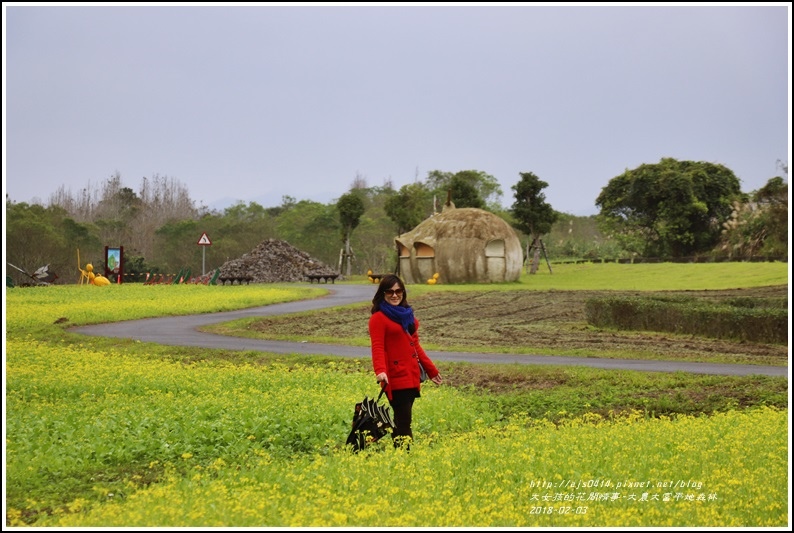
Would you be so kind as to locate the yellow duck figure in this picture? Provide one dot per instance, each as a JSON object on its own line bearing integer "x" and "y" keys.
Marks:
{"x": 433, "y": 280}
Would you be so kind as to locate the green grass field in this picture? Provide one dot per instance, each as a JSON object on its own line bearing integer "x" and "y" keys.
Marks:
{"x": 642, "y": 277}
{"x": 116, "y": 433}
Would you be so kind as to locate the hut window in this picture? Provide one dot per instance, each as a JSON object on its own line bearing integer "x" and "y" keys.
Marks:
{"x": 495, "y": 248}
{"x": 404, "y": 250}
{"x": 423, "y": 250}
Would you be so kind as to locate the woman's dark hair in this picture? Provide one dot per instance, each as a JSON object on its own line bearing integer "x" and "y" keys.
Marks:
{"x": 387, "y": 282}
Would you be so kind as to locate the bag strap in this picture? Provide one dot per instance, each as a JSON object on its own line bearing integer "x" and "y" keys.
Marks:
{"x": 384, "y": 410}
{"x": 382, "y": 390}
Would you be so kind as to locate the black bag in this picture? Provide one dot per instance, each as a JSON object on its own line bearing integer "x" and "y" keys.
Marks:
{"x": 371, "y": 422}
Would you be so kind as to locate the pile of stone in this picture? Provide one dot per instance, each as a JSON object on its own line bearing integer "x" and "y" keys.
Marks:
{"x": 274, "y": 261}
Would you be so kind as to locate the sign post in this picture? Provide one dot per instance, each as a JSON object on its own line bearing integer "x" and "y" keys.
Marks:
{"x": 114, "y": 263}
{"x": 203, "y": 241}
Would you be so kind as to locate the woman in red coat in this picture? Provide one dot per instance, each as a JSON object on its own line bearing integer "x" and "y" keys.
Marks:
{"x": 396, "y": 353}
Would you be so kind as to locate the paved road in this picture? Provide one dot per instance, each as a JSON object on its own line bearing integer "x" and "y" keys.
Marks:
{"x": 182, "y": 331}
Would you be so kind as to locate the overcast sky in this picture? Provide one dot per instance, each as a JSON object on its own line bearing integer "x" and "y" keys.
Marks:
{"x": 256, "y": 102}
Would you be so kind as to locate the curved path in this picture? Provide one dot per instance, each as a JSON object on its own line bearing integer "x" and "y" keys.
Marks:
{"x": 182, "y": 331}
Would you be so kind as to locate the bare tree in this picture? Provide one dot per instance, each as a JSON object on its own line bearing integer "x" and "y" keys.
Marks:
{"x": 359, "y": 182}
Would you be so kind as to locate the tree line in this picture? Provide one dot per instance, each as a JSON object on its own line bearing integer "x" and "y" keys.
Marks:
{"x": 670, "y": 209}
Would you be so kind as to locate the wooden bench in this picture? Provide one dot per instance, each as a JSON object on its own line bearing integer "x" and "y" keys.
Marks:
{"x": 238, "y": 279}
{"x": 324, "y": 277}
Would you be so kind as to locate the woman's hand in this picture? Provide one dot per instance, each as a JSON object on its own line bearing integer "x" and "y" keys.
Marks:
{"x": 382, "y": 377}
{"x": 437, "y": 379}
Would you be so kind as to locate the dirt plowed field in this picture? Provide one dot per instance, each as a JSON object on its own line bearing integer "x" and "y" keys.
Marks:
{"x": 542, "y": 322}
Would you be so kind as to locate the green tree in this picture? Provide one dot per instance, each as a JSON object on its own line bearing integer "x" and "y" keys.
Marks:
{"x": 77, "y": 235}
{"x": 407, "y": 209}
{"x": 287, "y": 202}
{"x": 464, "y": 194}
{"x": 311, "y": 227}
{"x": 409, "y": 206}
{"x": 177, "y": 247}
{"x": 488, "y": 191}
{"x": 31, "y": 236}
{"x": 350, "y": 207}
{"x": 531, "y": 213}
{"x": 669, "y": 209}
{"x": 374, "y": 236}
{"x": 237, "y": 231}
{"x": 759, "y": 227}
{"x": 246, "y": 225}
{"x": 37, "y": 236}
{"x": 576, "y": 237}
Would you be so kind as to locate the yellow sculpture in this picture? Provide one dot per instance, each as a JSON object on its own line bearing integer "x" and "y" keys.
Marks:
{"x": 87, "y": 275}
{"x": 433, "y": 280}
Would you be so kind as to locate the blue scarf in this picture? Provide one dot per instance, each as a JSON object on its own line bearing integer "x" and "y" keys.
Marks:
{"x": 402, "y": 315}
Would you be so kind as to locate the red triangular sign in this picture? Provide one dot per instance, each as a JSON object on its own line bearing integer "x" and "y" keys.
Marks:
{"x": 204, "y": 240}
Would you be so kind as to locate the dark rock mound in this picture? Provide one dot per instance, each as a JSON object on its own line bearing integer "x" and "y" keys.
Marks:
{"x": 274, "y": 261}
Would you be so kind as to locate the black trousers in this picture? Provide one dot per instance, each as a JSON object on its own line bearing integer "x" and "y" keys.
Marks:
{"x": 402, "y": 403}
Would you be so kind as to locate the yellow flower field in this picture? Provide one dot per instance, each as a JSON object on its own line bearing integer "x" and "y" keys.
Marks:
{"x": 116, "y": 435}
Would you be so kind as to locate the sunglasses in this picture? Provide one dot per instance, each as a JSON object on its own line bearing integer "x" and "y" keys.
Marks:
{"x": 393, "y": 292}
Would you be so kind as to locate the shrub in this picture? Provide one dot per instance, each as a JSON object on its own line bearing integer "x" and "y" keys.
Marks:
{"x": 745, "y": 319}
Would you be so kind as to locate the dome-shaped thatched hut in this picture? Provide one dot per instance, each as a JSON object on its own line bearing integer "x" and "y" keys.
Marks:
{"x": 465, "y": 245}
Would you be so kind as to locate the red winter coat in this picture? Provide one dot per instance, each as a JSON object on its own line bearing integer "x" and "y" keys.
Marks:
{"x": 395, "y": 352}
